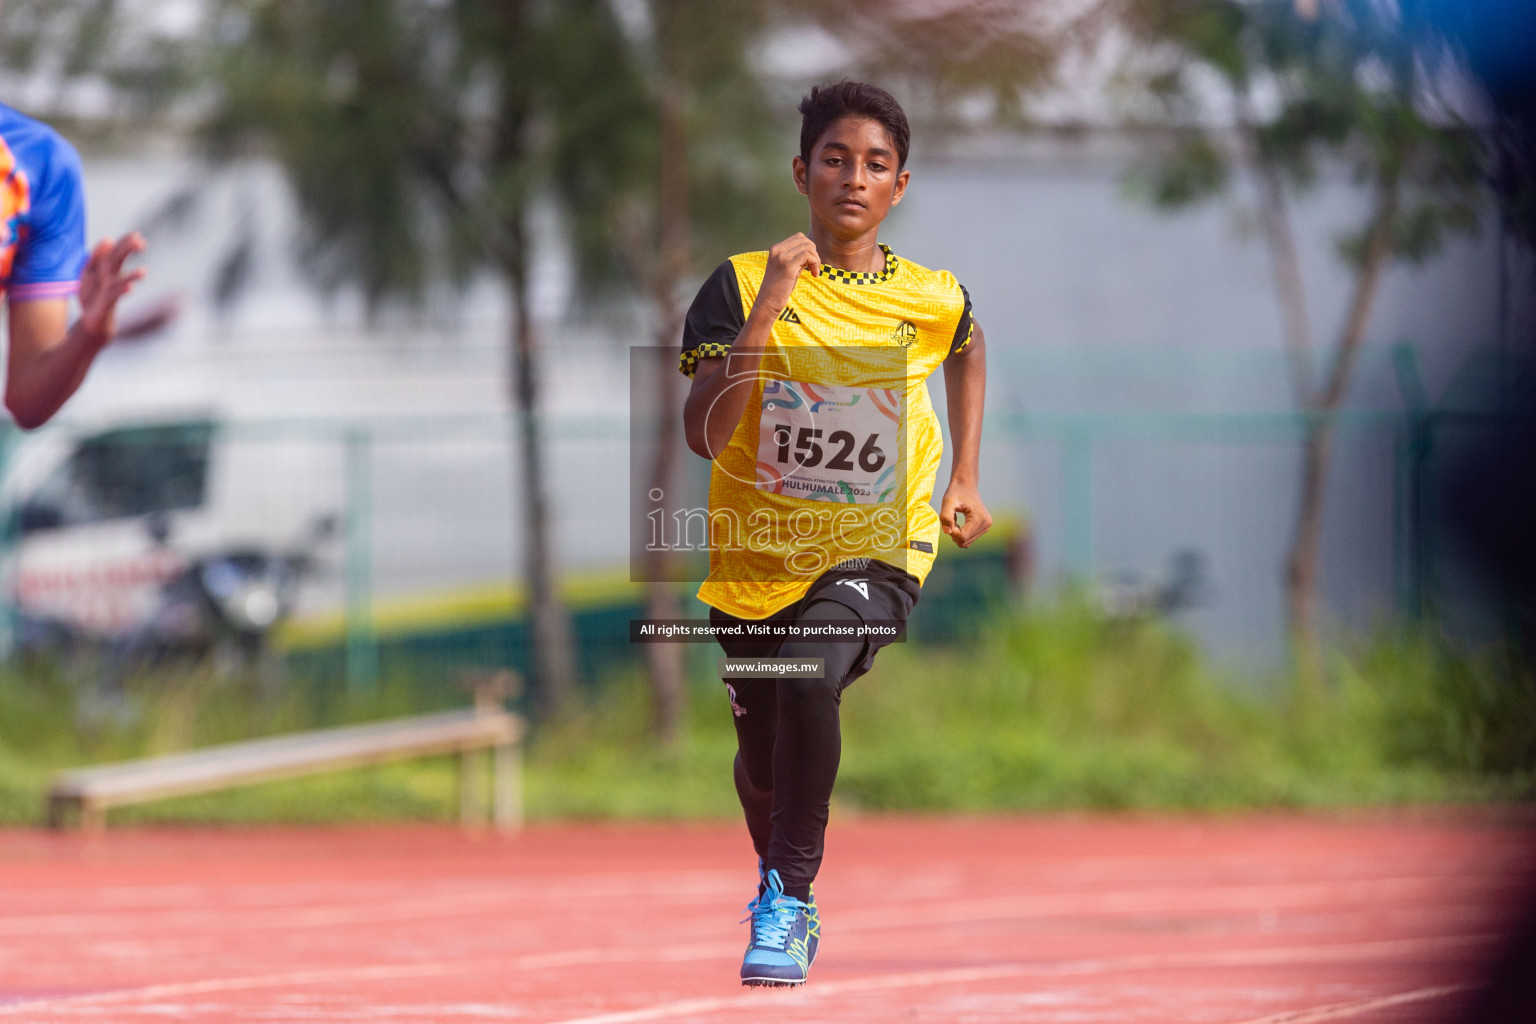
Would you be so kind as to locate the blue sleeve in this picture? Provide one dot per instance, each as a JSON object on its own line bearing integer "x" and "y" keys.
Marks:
{"x": 52, "y": 253}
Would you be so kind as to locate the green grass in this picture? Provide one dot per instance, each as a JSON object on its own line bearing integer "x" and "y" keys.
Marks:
{"x": 1065, "y": 710}
{"x": 49, "y": 721}
{"x": 1051, "y": 709}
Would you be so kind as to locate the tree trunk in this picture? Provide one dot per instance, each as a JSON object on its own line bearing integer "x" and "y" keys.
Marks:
{"x": 553, "y": 665}
{"x": 1303, "y": 564}
{"x": 1285, "y": 260}
{"x": 665, "y": 661}
{"x": 1303, "y": 574}
{"x": 1286, "y": 265}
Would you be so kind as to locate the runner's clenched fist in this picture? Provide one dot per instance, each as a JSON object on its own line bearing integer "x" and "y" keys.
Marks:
{"x": 786, "y": 261}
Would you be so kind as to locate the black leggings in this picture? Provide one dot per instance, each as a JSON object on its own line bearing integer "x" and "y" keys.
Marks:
{"x": 789, "y": 742}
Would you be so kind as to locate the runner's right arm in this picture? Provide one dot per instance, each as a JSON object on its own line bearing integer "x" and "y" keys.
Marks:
{"x": 715, "y": 403}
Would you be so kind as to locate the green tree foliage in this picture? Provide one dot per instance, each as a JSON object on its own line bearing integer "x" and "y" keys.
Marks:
{"x": 1347, "y": 86}
{"x": 417, "y": 135}
{"x": 711, "y": 179}
{"x": 1255, "y": 89}
{"x": 937, "y": 56}
{"x": 134, "y": 63}
{"x": 1489, "y": 44}
{"x": 718, "y": 141}
{"x": 419, "y": 138}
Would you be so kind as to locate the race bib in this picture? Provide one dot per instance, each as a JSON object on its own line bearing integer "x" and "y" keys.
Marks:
{"x": 829, "y": 443}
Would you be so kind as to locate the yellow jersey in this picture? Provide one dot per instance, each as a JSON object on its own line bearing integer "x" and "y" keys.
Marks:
{"x": 835, "y": 458}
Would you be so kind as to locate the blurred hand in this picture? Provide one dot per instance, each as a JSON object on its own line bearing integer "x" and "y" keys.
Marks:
{"x": 149, "y": 322}
{"x": 104, "y": 282}
{"x": 785, "y": 262}
{"x": 963, "y": 499}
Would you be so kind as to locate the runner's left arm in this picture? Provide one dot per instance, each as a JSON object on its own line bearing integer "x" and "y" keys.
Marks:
{"x": 965, "y": 388}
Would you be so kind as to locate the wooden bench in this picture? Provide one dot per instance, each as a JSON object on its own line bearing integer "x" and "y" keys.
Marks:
{"x": 92, "y": 791}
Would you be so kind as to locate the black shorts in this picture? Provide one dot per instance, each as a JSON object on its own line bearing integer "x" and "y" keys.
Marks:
{"x": 876, "y": 592}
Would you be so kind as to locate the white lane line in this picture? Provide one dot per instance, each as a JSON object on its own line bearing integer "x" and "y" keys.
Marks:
{"x": 721, "y": 951}
{"x": 961, "y": 975}
{"x": 697, "y": 888}
{"x": 667, "y": 1011}
{"x": 718, "y": 884}
{"x": 1196, "y": 899}
{"x": 379, "y": 972}
{"x": 1339, "y": 1011}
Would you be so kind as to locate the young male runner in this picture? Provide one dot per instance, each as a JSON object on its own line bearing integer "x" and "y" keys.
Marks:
{"x": 42, "y": 253}
{"x": 809, "y": 365}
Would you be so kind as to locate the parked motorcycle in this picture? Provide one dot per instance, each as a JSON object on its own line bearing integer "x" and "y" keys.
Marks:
{"x": 219, "y": 609}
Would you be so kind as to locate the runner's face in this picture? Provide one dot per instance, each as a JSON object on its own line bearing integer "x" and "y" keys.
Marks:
{"x": 852, "y": 179}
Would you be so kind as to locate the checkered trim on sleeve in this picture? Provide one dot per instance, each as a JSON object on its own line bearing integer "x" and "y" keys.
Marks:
{"x": 714, "y": 319}
{"x": 688, "y": 362}
{"x": 868, "y": 277}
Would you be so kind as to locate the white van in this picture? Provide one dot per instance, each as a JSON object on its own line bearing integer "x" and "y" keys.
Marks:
{"x": 163, "y": 532}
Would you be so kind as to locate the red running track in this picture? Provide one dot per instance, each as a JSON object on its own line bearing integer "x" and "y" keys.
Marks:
{"x": 1280, "y": 920}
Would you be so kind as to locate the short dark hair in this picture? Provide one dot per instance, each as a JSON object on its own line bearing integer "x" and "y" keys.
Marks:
{"x": 825, "y": 104}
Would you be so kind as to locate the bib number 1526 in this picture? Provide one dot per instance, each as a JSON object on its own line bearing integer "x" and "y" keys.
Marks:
{"x": 827, "y": 442}
{"x": 807, "y": 450}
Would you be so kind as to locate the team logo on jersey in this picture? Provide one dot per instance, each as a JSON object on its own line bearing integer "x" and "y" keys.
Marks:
{"x": 736, "y": 709}
{"x": 905, "y": 334}
{"x": 15, "y": 203}
{"x": 789, "y": 316}
{"x": 862, "y": 586}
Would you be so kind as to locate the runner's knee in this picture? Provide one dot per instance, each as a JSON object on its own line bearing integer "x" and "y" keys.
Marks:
{"x": 754, "y": 776}
{"x": 838, "y": 656}
{"x": 804, "y": 694}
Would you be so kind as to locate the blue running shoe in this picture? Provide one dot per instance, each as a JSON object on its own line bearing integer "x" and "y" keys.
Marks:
{"x": 780, "y": 951}
{"x": 813, "y": 933}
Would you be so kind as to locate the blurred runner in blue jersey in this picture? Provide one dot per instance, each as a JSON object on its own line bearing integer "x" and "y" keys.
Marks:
{"x": 44, "y": 262}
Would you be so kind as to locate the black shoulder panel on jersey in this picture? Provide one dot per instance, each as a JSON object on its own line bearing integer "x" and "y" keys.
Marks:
{"x": 964, "y": 328}
{"x": 714, "y": 320}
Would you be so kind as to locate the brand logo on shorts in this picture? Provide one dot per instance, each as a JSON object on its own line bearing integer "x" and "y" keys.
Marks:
{"x": 736, "y": 709}
{"x": 862, "y": 586}
{"x": 905, "y": 334}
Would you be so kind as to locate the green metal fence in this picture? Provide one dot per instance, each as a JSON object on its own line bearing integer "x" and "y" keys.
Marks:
{"x": 1097, "y": 491}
